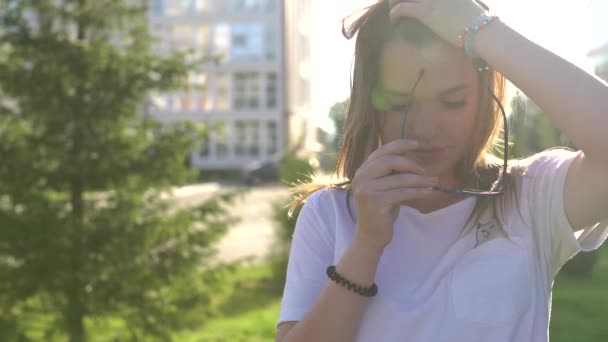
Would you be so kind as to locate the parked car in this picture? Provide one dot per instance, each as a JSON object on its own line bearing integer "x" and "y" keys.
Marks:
{"x": 286, "y": 168}
{"x": 258, "y": 172}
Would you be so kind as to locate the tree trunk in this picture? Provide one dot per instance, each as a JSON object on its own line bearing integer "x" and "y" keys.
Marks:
{"x": 75, "y": 319}
{"x": 75, "y": 308}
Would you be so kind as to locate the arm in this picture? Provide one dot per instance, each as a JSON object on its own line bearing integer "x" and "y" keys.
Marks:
{"x": 337, "y": 312}
{"x": 574, "y": 100}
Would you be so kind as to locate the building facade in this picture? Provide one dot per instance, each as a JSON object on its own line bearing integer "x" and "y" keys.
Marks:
{"x": 253, "y": 93}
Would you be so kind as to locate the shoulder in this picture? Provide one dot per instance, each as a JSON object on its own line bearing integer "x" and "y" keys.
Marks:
{"x": 543, "y": 162}
{"x": 320, "y": 219}
{"x": 531, "y": 177}
{"x": 333, "y": 208}
{"x": 326, "y": 201}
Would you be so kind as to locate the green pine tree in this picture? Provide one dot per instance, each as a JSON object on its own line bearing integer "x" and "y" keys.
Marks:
{"x": 87, "y": 242}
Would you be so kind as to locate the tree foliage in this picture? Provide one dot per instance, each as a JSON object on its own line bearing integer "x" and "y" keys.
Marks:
{"x": 86, "y": 238}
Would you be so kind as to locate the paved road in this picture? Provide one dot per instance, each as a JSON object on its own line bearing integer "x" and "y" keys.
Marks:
{"x": 254, "y": 234}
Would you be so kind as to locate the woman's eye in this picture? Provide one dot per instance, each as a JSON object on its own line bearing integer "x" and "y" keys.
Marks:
{"x": 454, "y": 104}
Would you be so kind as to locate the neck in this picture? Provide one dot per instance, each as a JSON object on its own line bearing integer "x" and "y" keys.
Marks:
{"x": 434, "y": 201}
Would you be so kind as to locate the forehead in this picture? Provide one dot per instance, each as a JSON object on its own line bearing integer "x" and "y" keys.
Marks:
{"x": 444, "y": 66}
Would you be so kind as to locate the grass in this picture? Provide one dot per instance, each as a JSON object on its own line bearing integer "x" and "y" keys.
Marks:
{"x": 253, "y": 326}
{"x": 581, "y": 305}
{"x": 248, "y": 303}
{"x": 251, "y": 309}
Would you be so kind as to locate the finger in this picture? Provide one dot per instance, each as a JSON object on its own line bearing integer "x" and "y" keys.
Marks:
{"x": 386, "y": 165}
{"x": 403, "y": 180}
{"x": 398, "y": 146}
{"x": 397, "y": 196}
{"x": 411, "y": 9}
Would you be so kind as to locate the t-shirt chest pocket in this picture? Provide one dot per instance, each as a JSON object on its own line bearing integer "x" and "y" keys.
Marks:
{"x": 492, "y": 284}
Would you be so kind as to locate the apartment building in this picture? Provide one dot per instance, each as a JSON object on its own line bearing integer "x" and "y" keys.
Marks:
{"x": 254, "y": 92}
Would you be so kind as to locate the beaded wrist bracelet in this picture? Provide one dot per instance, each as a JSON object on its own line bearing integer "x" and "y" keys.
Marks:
{"x": 465, "y": 40}
{"x": 336, "y": 277}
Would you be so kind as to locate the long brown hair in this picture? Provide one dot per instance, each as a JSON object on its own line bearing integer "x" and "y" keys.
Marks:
{"x": 361, "y": 136}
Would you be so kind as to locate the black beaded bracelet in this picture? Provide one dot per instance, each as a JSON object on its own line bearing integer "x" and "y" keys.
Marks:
{"x": 365, "y": 292}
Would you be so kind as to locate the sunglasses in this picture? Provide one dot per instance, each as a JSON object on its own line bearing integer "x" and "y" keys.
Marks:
{"x": 380, "y": 102}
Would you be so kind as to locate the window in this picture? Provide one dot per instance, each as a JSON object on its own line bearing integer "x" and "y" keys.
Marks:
{"x": 205, "y": 143}
{"x": 241, "y": 138}
{"x": 181, "y": 37}
{"x": 198, "y": 79}
{"x": 205, "y": 147}
{"x": 221, "y": 42}
{"x": 182, "y": 101}
{"x": 200, "y": 88}
{"x": 254, "y": 133}
{"x": 246, "y": 90}
{"x": 203, "y": 99}
{"x": 174, "y": 102}
{"x": 174, "y": 7}
{"x": 187, "y": 101}
{"x": 239, "y": 40}
{"x": 170, "y": 101}
{"x": 182, "y": 7}
{"x": 202, "y": 41}
{"x": 247, "y": 41}
{"x": 271, "y": 90}
{"x": 222, "y": 94}
{"x": 158, "y": 7}
{"x": 220, "y": 139}
{"x": 202, "y": 5}
{"x": 273, "y": 138}
{"x": 252, "y": 5}
{"x": 247, "y": 138}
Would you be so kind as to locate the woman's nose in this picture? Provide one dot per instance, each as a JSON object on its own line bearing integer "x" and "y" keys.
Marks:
{"x": 422, "y": 122}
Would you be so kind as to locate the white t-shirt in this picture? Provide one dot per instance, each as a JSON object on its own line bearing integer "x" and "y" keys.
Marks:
{"x": 488, "y": 285}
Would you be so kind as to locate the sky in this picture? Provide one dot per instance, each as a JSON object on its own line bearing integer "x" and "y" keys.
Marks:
{"x": 568, "y": 28}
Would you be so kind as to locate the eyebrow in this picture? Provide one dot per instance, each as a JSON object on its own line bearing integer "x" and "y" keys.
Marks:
{"x": 442, "y": 93}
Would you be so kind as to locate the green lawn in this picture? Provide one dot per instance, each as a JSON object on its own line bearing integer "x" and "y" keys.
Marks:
{"x": 253, "y": 326}
{"x": 580, "y": 308}
{"x": 249, "y": 309}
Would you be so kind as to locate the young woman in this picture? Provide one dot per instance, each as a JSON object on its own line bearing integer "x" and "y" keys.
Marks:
{"x": 430, "y": 238}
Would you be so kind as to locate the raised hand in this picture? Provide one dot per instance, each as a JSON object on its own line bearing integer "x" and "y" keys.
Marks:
{"x": 385, "y": 180}
{"x": 447, "y": 18}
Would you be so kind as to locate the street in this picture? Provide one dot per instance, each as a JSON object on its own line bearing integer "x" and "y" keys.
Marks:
{"x": 253, "y": 235}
